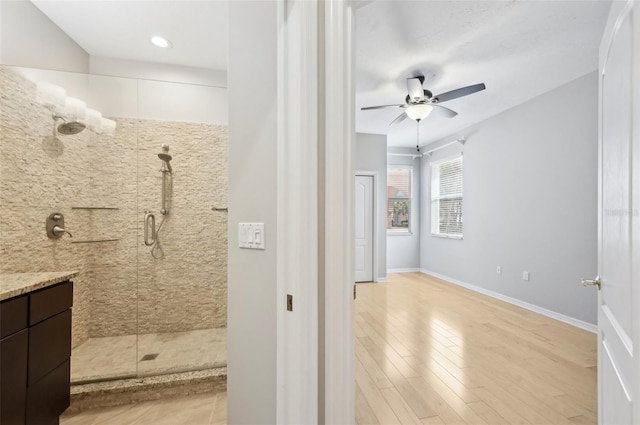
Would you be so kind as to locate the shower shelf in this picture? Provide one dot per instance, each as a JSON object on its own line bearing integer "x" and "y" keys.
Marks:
{"x": 95, "y": 208}
{"x": 96, "y": 241}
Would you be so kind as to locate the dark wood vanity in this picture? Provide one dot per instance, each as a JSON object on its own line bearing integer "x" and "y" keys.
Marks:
{"x": 35, "y": 352}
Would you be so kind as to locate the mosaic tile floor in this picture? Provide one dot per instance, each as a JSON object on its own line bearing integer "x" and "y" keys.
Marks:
{"x": 121, "y": 356}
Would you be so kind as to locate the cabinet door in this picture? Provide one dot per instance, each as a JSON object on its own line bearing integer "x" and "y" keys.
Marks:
{"x": 13, "y": 378}
{"x": 49, "y": 397}
{"x": 49, "y": 345}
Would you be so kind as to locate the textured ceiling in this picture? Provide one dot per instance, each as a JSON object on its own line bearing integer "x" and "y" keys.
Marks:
{"x": 122, "y": 29}
{"x": 519, "y": 49}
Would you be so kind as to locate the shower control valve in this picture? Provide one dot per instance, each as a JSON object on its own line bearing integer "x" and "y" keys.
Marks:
{"x": 55, "y": 226}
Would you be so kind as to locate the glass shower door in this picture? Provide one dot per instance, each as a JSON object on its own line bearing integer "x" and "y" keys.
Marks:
{"x": 182, "y": 157}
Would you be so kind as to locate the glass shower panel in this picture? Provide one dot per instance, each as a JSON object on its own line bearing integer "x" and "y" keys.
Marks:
{"x": 182, "y": 271}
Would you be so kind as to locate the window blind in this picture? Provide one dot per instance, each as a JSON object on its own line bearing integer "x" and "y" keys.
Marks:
{"x": 446, "y": 198}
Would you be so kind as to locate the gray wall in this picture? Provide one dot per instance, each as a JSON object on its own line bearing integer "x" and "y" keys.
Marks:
{"x": 251, "y": 380}
{"x": 371, "y": 155}
{"x": 530, "y": 203}
{"x": 403, "y": 250}
{"x": 30, "y": 39}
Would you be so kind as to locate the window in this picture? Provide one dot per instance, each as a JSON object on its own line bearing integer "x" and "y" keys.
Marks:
{"x": 398, "y": 199}
{"x": 446, "y": 198}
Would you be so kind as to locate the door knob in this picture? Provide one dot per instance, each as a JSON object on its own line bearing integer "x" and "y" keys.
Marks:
{"x": 594, "y": 282}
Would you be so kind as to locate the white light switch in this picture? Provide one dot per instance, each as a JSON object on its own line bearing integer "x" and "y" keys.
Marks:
{"x": 258, "y": 235}
{"x": 251, "y": 235}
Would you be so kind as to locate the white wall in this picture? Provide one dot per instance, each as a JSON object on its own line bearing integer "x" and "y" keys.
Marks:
{"x": 371, "y": 155}
{"x": 530, "y": 203}
{"x": 251, "y": 380}
{"x": 140, "y": 98}
{"x": 29, "y": 38}
{"x": 157, "y": 71}
{"x": 403, "y": 250}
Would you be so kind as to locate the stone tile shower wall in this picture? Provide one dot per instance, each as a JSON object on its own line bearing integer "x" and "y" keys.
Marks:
{"x": 121, "y": 288}
{"x": 185, "y": 286}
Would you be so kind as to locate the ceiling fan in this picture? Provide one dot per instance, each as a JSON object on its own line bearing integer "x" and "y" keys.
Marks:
{"x": 420, "y": 102}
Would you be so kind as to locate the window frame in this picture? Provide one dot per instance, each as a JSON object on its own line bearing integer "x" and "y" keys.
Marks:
{"x": 401, "y": 231}
{"x": 438, "y": 162}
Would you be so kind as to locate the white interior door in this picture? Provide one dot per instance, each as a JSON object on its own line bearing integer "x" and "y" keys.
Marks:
{"x": 364, "y": 228}
{"x": 619, "y": 224}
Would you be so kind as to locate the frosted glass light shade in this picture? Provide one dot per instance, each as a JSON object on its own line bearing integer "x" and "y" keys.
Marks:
{"x": 108, "y": 126}
{"x": 419, "y": 112}
{"x": 50, "y": 95}
{"x": 74, "y": 109}
{"x": 93, "y": 119}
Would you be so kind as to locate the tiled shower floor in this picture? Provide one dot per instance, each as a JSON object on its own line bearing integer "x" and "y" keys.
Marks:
{"x": 121, "y": 357}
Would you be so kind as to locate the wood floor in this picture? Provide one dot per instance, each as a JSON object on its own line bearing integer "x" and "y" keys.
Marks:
{"x": 201, "y": 409}
{"x": 429, "y": 352}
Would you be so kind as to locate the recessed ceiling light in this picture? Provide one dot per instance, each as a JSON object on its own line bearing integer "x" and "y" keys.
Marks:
{"x": 161, "y": 42}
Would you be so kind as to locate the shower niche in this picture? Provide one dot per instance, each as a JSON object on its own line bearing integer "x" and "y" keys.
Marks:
{"x": 142, "y": 306}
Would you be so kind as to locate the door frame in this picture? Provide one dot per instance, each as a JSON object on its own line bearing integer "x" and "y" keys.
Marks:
{"x": 374, "y": 174}
{"x": 315, "y": 380}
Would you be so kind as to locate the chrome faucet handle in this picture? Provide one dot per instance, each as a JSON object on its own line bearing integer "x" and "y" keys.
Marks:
{"x": 59, "y": 231}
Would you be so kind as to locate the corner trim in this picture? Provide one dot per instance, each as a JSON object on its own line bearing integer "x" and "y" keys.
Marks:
{"x": 297, "y": 213}
{"x": 589, "y": 327}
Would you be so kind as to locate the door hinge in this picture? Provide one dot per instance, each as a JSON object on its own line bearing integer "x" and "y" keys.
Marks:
{"x": 289, "y": 302}
{"x": 354, "y": 291}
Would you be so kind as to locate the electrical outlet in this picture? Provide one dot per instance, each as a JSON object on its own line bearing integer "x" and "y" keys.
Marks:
{"x": 525, "y": 276}
{"x": 499, "y": 270}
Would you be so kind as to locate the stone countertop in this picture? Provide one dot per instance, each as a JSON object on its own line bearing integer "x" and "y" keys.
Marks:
{"x": 14, "y": 284}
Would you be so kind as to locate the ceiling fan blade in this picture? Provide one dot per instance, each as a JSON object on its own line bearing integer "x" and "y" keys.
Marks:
{"x": 414, "y": 87}
{"x": 366, "y": 108}
{"x": 454, "y": 94}
{"x": 399, "y": 119}
{"x": 449, "y": 113}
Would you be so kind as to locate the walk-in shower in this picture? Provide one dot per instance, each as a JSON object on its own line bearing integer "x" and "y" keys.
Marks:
{"x": 136, "y": 313}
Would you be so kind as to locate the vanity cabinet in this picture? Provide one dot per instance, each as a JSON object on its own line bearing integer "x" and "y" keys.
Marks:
{"x": 35, "y": 352}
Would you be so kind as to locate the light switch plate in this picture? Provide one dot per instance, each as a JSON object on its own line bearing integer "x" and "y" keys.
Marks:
{"x": 251, "y": 235}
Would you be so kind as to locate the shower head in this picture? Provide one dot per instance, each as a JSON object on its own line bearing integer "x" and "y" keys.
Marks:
{"x": 166, "y": 158}
{"x": 67, "y": 128}
{"x": 70, "y": 128}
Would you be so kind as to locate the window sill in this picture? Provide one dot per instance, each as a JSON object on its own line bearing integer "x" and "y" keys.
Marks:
{"x": 399, "y": 233}
{"x": 444, "y": 236}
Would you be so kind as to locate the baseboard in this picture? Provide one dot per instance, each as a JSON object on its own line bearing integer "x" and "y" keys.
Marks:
{"x": 413, "y": 270}
{"x": 381, "y": 279}
{"x": 531, "y": 307}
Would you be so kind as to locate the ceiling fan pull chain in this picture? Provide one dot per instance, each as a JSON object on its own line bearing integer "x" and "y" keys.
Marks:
{"x": 418, "y": 135}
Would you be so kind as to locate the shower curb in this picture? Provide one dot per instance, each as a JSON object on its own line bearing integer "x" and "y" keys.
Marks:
{"x": 135, "y": 390}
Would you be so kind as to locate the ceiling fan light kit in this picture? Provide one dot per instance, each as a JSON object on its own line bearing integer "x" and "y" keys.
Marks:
{"x": 418, "y": 111}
